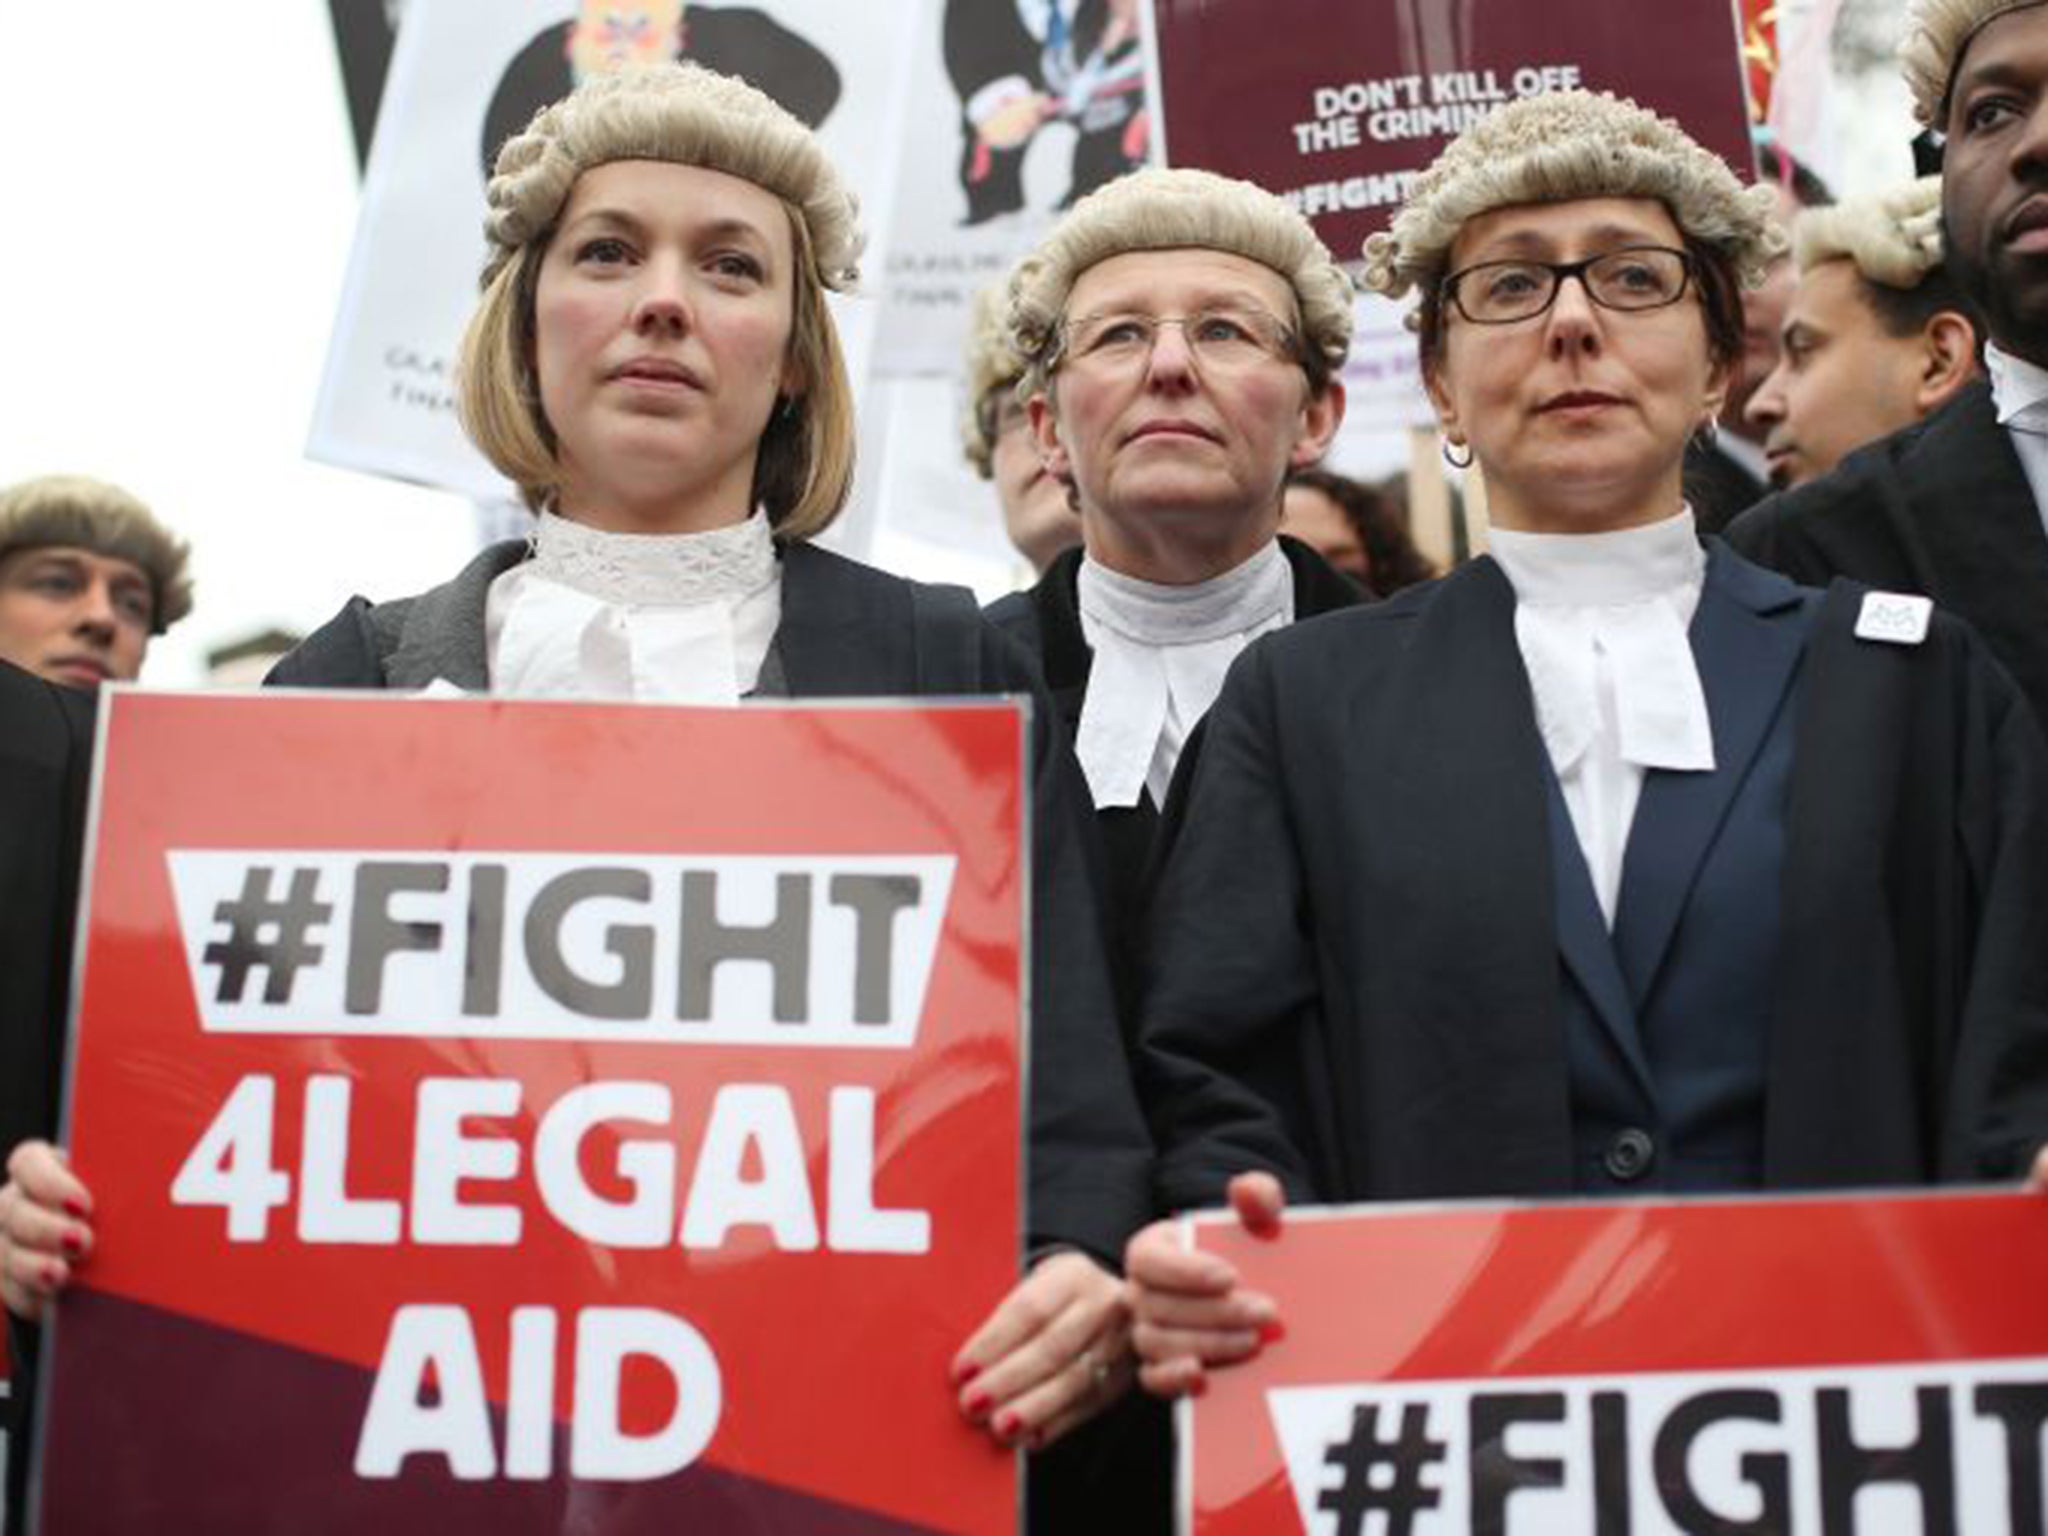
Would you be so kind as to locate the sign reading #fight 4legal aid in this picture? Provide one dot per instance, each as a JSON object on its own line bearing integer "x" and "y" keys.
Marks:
{"x": 540, "y": 1117}
{"x": 1828, "y": 1366}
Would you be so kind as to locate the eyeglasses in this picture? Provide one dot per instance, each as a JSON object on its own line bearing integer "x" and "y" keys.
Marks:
{"x": 1222, "y": 340}
{"x": 1634, "y": 277}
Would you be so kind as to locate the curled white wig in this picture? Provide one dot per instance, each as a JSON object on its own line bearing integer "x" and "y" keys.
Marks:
{"x": 1937, "y": 32}
{"x": 1561, "y": 147}
{"x": 1893, "y": 237}
{"x": 685, "y": 114}
{"x": 991, "y": 364}
{"x": 1159, "y": 210}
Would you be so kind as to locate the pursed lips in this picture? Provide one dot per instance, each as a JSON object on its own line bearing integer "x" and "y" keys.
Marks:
{"x": 91, "y": 665}
{"x": 2029, "y": 217}
{"x": 658, "y": 371}
{"x": 1579, "y": 399}
{"x": 1172, "y": 427}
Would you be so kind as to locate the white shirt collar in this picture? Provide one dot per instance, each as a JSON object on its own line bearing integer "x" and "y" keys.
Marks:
{"x": 2019, "y": 390}
{"x": 1745, "y": 455}
{"x": 1160, "y": 656}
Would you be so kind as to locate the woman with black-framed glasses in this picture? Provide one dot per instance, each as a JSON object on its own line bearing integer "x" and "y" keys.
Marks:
{"x": 1608, "y": 864}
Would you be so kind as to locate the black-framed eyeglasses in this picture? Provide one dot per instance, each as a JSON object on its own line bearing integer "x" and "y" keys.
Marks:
{"x": 1223, "y": 339}
{"x": 1632, "y": 278}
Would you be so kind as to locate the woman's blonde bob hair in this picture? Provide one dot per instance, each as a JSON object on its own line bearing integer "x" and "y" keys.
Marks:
{"x": 686, "y": 115}
{"x": 1561, "y": 147}
{"x": 1160, "y": 210}
{"x": 1937, "y": 32}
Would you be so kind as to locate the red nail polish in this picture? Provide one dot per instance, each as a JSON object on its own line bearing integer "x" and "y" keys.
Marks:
{"x": 53, "y": 1274}
{"x": 74, "y": 1244}
{"x": 76, "y": 1208}
{"x": 965, "y": 1372}
{"x": 978, "y": 1404}
{"x": 1198, "y": 1386}
{"x": 1272, "y": 1330}
{"x": 1007, "y": 1424}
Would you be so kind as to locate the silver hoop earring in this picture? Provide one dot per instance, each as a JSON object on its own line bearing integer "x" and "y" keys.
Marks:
{"x": 1451, "y": 458}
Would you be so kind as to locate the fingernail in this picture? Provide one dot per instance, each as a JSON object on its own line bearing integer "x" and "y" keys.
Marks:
{"x": 73, "y": 1244}
{"x": 76, "y": 1208}
{"x": 1272, "y": 1330}
{"x": 978, "y": 1404}
{"x": 1008, "y": 1422}
{"x": 1198, "y": 1386}
{"x": 965, "y": 1372}
{"x": 53, "y": 1274}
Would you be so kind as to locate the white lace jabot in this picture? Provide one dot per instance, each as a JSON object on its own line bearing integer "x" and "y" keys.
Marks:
{"x": 1160, "y": 656}
{"x": 682, "y": 617}
{"x": 1601, "y": 621}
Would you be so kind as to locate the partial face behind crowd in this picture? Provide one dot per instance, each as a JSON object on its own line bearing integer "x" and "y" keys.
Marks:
{"x": 1037, "y": 516}
{"x": 1995, "y": 179}
{"x": 1179, "y": 404}
{"x": 1846, "y": 378}
{"x": 73, "y": 616}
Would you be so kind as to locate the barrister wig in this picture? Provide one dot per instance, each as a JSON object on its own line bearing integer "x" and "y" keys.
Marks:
{"x": 686, "y": 115}
{"x": 1160, "y": 210}
{"x": 1937, "y": 32}
{"x": 1562, "y": 147}
{"x": 75, "y": 512}
{"x": 992, "y": 367}
{"x": 1893, "y": 237}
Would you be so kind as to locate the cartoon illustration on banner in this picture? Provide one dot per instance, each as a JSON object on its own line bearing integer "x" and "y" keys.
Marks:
{"x": 461, "y": 78}
{"x": 1020, "y": 107}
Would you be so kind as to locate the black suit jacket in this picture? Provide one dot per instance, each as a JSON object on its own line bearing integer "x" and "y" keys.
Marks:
{"x": 1354, "y": 973}
{"x": 1941, "y": 508}
{"x": 46, "y": 738}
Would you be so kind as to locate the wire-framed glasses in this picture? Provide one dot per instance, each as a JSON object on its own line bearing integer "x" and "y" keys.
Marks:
{"x": 1634, "y": 277}
{"x": 1224, "y": 340}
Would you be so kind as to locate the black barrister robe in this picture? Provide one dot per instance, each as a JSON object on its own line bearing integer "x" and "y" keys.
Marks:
{"x": 1354, "y": 976}
{"x": 1046, "y": 621}
{"x": 45, "y": 762}
{"x": 1115, "y": 1475}
{"x": 1942, "y": 508}
{"x": 848, "y": 630}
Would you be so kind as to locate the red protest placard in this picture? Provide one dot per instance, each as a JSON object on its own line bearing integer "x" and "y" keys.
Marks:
{"x": 540, "y": 1117}
{"x": 1786, "y": 1365}
{"x": 1337, "y": 104}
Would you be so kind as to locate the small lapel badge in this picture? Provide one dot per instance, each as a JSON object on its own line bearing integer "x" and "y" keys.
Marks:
{"x": 1896, "y": 618}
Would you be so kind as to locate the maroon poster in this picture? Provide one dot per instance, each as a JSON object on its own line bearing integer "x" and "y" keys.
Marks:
{"x": 1336, "y": 104}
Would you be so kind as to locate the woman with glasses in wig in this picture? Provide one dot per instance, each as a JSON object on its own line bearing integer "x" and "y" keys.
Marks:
{"x": 1611, "y": 863}
{"x": 653, "y": 363}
